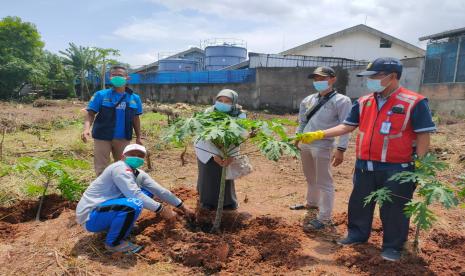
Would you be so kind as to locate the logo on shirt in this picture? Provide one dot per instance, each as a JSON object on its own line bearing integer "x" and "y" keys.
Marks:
{"x": 122, "y": 105}
{"x": 136, "y": 201}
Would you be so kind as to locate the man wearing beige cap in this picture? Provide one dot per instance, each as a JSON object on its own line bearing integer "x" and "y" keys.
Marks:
{"x": 322, "y": 110}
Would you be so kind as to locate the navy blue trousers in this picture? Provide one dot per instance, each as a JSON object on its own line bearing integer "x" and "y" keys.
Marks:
{"x": 395, "y": 223}
{"x": 117, "y": 217}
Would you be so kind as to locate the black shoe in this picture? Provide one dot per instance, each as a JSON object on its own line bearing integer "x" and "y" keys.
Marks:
{"x": 314, "y": 224}
{"x": 302, "y": 207}
{"x": 390, "y": 254}
{"x": 349, "y": 241}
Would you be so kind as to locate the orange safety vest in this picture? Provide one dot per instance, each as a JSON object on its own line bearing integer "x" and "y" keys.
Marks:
{"x": 396, "y": 146}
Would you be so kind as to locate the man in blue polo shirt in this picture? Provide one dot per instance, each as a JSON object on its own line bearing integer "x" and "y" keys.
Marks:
{"x": 394, "y": 126}
{"x": 114, "y": 113}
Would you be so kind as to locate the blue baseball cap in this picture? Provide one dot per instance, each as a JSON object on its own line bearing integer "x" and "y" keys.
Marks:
{"x": 384, "y": 64}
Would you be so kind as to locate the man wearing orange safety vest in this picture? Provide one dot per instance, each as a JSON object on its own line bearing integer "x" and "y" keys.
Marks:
{"x": 394, "y": 125}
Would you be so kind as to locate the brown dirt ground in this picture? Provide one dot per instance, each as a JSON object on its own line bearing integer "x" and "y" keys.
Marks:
{"x": 264, "y": 237}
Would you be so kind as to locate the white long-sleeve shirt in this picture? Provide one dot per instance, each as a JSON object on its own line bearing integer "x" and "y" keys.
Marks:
{"x": 118, "y": 180}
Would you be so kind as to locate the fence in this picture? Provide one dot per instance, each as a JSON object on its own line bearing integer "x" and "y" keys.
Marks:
{"x": 202, "y": 77}
{"x": 274, "y": 60}
{"x": 445, "y": 61}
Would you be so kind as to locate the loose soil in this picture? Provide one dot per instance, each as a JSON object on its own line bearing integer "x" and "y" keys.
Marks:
{"x": 263, "y": 238}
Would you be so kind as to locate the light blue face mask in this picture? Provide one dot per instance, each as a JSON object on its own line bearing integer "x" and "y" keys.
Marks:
{"x": 320, "y": 85}
{"x": 223, "y": 107}
{"x": 374, "y": 85}
{"x": 134, "y": 162}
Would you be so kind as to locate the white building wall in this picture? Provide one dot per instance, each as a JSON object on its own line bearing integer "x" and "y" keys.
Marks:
{"x": 359, "y": 46}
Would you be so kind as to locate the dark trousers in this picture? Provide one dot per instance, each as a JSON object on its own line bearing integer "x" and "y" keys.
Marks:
{"x": 395, "y": 223}
{"x": 208, "y": 187}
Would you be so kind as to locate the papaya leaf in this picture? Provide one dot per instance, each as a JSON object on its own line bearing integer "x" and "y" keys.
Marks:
{"x": 380, "y": 196}
{"x": 422, "y": 216}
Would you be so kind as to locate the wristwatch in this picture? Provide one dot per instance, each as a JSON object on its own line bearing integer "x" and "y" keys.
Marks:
{"x": 341, "y": 149}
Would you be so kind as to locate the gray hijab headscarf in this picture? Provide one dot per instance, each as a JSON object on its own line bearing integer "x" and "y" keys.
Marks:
{"x": 231, "y": 94}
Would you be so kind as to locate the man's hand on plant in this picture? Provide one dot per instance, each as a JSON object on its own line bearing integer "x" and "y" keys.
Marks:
{"x": 85, "y": 136}
{"x": 310, "y": 137}
{"x": 168, "y": 214}
{"x": 189, "y": 214}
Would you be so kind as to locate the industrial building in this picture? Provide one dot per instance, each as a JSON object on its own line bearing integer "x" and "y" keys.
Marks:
{"x": 359, "y": 42}
{"x": 213, "y": 54}
{"x": 444, "y": 73}
{"x": 279, "y": 81}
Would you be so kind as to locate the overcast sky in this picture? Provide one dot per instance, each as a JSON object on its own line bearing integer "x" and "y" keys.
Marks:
{"x": 141, "y": 29}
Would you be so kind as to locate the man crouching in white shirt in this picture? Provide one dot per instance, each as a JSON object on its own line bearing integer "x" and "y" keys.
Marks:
{"x": 114, "y": 200}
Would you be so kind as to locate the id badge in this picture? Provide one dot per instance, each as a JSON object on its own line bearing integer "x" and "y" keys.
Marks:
{"x": 385, "y": 128}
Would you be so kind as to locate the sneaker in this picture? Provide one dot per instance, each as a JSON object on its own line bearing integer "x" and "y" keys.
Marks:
{"x": 125, "y": 247}
{"x": 390, "y": 254}
{"x": 302, "y": 207}
{"x": 314, "y": 224}
{"x": 349, "y": 241}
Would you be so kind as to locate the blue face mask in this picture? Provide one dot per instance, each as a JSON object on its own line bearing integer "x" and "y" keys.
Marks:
{"x": 222, "y": 107}
{"x": 134, "y": 162}
{"x": 320, "y": 85}
{"x": 374, "y": 85}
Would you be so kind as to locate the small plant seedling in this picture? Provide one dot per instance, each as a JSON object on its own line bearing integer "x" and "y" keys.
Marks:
{"x": 227, "y": 133}
{"x": 430, "y": 189}
{"x": 47, "y": 173}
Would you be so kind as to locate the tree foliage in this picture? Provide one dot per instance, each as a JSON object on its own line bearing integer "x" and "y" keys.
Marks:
{"x": 82, "y": 61}
{"x": 20, "y": 55}
{"x": 227, "y": 133}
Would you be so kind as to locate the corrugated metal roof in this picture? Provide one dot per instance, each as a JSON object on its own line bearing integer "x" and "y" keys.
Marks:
{"x": 444, "y": 34}
{"x": 155, "y": 64}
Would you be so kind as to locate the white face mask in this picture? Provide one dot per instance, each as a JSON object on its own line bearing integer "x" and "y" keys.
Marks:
{"x": 374, "y": 85}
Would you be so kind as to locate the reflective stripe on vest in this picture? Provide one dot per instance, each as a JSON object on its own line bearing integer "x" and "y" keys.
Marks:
{"x": 397, "y": 146}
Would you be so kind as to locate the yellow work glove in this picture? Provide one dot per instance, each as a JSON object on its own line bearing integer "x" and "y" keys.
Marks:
{"x": 417, "y": 164}
{"x": 310, "y": 137}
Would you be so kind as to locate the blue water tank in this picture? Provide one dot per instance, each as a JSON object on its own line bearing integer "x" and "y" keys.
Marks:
{"x": 221, "y": 56}
{"x": 177, "y": 65}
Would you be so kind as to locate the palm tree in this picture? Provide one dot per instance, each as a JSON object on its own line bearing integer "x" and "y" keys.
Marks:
{"x": 102, "y": 55}
{"x": 82, "y": 60}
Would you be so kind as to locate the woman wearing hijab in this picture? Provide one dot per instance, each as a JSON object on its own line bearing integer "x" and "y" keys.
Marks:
{"x": 210, "y": 161}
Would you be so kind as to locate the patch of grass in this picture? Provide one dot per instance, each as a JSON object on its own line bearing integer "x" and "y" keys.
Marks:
{"x": 65, "y": 123}
{"x": 152, "y": 124}
{"x": 80, "y": 148}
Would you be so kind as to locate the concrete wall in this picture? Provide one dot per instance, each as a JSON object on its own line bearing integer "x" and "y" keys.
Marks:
{"x": 411, "y": 77}
{"x": 277, "y": 89}
{"x": 197, "y": 94}
{"x": 446, "y": 98}
{"x": 282, "y": 89}
{"x": 359, "y": 45}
